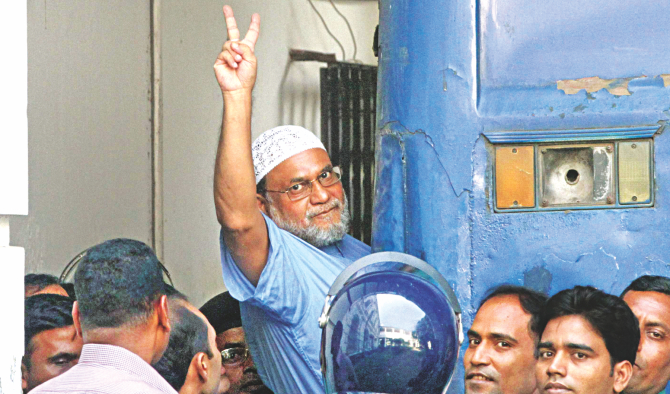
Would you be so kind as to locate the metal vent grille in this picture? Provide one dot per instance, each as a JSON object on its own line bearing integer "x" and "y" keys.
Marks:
{"x": 348, "y": 120}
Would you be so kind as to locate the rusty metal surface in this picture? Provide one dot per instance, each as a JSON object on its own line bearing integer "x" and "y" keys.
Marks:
{"x": 515, "y": 176}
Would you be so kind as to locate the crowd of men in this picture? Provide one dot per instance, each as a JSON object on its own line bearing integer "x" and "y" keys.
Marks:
{"x": 581, "y": 340}
{"x": 131, "y": 332}
{"x": 284, "y": 220}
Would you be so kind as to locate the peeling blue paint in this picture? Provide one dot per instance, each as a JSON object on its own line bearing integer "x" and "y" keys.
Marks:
{"x": 454, "y": 70}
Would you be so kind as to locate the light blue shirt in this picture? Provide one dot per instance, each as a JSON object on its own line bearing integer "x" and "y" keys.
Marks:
{"x": 280, "y": 315}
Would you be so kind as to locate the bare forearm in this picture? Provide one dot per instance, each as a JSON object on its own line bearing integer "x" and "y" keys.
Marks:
{"x": 243, "y": 226}
{"x": 234, "y": 179}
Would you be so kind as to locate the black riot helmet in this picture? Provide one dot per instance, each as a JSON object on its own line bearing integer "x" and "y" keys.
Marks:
{"x": 391, "y": 324}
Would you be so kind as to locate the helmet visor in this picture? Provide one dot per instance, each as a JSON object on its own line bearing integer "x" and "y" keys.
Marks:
{"x": 389, "y": 332}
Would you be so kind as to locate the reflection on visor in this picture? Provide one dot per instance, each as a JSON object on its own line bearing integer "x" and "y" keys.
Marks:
{"x": 390, "y": 332}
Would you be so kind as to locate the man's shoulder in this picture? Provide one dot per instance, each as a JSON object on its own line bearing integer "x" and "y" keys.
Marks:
{"x": 96, "y": 379}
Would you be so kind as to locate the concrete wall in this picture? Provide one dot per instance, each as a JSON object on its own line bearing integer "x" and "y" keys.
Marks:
{"x": 90, "y": 119}
{"x": 89, "y": 137}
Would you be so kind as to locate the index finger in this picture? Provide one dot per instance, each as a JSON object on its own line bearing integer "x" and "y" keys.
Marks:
{"x": 231, "y": 24}
{"x": 254, "y": 30}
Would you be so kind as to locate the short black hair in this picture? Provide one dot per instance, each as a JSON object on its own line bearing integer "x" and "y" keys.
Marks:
{"x": 532, "y": 302}
{"x": 189, "y": 336}
{"x": 69, "y": 289}
{"x": 659, "y": 284}
{"x": 174, "y": 294}
{"x": 45, "y": 312}
{"x": 39, "y": 281}
{"x": 607, "y": 314}
{"x": 117, "y": 282}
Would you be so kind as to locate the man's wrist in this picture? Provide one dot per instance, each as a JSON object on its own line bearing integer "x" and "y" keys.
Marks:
{"x": 237, "y": 106}
{"x": 239, "y": 94}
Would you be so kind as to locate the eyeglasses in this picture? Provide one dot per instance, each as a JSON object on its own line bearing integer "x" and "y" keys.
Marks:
{"x": 300, "y": 190}
{"x": 234, "y": 355}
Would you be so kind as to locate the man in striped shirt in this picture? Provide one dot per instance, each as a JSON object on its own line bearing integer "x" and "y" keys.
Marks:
{"x": 122, "y": 315}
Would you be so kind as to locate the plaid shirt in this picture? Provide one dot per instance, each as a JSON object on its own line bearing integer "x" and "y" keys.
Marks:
{"x": 107, "y": 369}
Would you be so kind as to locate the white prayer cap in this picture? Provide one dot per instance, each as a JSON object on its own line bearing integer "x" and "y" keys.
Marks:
{"x": 278, "y": 144}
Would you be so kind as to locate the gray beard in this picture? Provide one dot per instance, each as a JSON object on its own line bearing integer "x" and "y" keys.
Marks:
{"x": 306, "y": 230}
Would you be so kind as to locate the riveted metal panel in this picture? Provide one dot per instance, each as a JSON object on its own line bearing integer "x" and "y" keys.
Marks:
{"x": 515, "y": 176}
{"x": 634, "y": 172}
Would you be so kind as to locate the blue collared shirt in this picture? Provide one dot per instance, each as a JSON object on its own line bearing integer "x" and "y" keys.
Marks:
{"x": 280, "y": 315}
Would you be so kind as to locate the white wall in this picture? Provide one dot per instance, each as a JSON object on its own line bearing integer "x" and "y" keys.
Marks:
{"x": 285, "y": 93}
{"x": 90, "y": 119}
{"x": 13, "y": 187}
{"x": 89, "y": 130}
{"x": 13, "y": 106}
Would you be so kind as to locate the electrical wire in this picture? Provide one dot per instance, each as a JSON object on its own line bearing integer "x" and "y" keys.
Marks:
{"x": 344, "y": 56}
{"x": 353, "y": 38}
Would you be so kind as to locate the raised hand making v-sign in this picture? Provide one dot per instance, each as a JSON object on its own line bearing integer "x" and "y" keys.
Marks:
{"x": 235, "y": 68}
{"x": 284, "y": 223}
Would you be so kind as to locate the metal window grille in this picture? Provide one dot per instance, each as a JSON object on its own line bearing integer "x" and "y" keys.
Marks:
{"x": 348, "y": 124}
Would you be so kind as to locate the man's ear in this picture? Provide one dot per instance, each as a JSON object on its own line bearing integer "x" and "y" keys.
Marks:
{"x": 262, "y": 203}
{"x": 163, "y": 311}
{"x": 76, "y": 319}
{"x": 24, "y": 375}
{"x": 622, "y": 373}
{"x": 201, "y": 364}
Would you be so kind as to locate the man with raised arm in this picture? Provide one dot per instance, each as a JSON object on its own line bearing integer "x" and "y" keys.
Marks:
{"x": 284, "y": 221}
